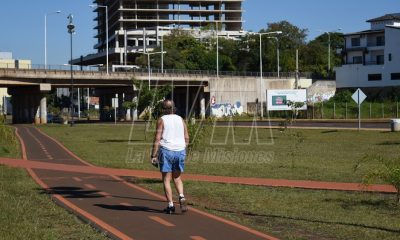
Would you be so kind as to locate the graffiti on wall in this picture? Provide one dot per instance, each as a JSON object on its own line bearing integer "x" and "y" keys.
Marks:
{"x": 321, "y": 97}
{"x": 226, "y": 109}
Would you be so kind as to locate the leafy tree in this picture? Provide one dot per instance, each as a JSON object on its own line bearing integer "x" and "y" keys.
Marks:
{"x": 342, "y": 96}
{"x": 316, "y": 53}
{"x": 186, "y": 52}
{"x": 248, "y": 54}
{"x": 183, "y": 52}
{"x": 295, "y": 106}
{"x": 150, "y": 98}
{"x": 292, "y": 38}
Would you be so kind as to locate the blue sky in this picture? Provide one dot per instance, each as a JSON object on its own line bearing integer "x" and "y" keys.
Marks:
{"x": 22, "y": 22}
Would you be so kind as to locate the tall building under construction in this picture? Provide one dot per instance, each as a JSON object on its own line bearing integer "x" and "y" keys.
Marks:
{"x": 137, "y": 25}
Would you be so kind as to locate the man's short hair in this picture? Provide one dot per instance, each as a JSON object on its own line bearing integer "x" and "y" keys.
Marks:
{"x": 168, "y": 106}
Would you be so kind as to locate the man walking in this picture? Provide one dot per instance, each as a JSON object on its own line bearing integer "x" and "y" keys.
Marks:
{"x": 169, "y": 151}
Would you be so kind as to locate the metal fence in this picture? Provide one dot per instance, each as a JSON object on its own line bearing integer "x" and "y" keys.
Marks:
{"x": 103, "y": 70}
{"x": 369, "y": 110}
{"x": 333, "y": 110}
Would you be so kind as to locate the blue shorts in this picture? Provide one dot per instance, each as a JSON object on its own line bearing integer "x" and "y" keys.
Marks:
{"x": 171, "y": 161}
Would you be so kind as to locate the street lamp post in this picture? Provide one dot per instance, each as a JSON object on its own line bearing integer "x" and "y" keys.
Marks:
{"x": 216, "y": 35}
{"x": 106, "y": 8}
{"x": 148, "y": 66}
{"x": 278, "y": 68}
{"x": 45, "y": 36}
{"x": 261, "y": 68}
{"x": 148, "y": 62}
{"x": 162, "y": 52}
{"x": 329, "y": 47}
{"x": 71, "y": 30}
{"x": 329, "y": 51}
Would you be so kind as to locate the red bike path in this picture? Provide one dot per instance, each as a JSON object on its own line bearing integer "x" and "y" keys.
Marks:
{"x": 118, "y": 208}
{"x": 338, "y": 186}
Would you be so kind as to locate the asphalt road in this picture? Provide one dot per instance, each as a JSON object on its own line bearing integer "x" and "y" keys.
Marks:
{"x": 350, "y": 124}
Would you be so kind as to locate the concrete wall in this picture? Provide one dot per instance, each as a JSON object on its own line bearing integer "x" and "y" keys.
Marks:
{"x": 24, "y": 64}
{"x": 393, "y": 48}
{"x": 7, "y": 63}
{"x": 11, "y": 63}
{"x": 247, "y": 90}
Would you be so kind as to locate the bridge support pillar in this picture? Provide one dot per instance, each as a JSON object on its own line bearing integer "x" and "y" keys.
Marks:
{"x": 130, "y": 113}
{"x": 43, "y": 110}
{"x": 121, "y": 115}
{"x": 202, "y": 106}
{"x": 29, "y": 105}
{"x": 106, "y": 113}
{"x": 106, "y": 96}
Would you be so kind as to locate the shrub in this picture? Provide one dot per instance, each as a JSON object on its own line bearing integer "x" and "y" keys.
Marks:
{"x": 388, "y": 172}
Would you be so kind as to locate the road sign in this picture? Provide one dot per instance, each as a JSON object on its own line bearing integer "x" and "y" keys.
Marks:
{"x": 359, "y": 96}
{"x": 115, "y": 106}
{"x": 115, "y": 103}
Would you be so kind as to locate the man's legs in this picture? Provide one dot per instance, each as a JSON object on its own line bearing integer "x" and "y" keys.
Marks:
{"x": 179, "y": 188}
{"x": 178, "y": 182}
{"x": 167, "y": 186}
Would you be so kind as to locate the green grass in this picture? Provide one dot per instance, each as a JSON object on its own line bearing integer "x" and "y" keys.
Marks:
{"x": 9, "y": 144}
{"x": 282, "y": 212}
{"x": 327, "y": 155}
{"x": 297, "y": 213}
{"x": 27, "y": 213}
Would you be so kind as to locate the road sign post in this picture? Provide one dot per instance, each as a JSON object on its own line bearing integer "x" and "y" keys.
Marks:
{"x": 359, "y": 97}
{"x": 115, "y": 106}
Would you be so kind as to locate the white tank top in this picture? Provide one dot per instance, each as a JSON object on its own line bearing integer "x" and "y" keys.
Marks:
{"x": 173, "y": 137}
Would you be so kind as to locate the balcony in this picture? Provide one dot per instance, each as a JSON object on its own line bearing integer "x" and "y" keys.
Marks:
{"x": 375, "y": 63}
{"x": 376, "y": 44}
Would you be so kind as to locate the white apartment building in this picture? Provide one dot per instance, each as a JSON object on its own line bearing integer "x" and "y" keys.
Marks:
{"x": 371, "y": 58}
{"x": 137, "y": 25}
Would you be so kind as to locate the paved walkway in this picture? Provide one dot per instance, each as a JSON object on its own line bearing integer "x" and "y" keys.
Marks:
{"x": 121, "y": 209}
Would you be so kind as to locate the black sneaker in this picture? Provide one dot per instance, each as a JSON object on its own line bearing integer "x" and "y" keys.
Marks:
{"x": 182, "y": 202}
{"x": 169, "y": 210}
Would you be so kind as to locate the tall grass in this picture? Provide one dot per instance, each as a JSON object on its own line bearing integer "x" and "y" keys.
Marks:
{"x": 9, "y": 145}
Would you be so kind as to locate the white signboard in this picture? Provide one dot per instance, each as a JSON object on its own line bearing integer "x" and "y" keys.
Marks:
{"x": 115, "y": 102}
{"x": 359, "y": 96}
{"x": 277, "y": 100}
{"x": 45, "y": 87}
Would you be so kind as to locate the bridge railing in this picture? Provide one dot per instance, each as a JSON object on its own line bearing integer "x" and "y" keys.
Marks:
{"x": 102, "y": 70}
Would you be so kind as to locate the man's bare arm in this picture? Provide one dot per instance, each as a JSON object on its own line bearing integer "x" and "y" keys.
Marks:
{"x": 186, "y": 133}
{"x": 157, "y": 138}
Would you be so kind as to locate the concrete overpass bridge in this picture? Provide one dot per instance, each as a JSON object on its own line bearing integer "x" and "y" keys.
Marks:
{"x": 192, "y": 89}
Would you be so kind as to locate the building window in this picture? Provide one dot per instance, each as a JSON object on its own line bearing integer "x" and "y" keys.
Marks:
{"x": 380, "y": 41}
{"x": 357, "y": 60}
{"x": 355, "y": 42}
{"x": 395, "y": 76}
{"x": 390, "y": 57}
{"x": 380, "y": 59}
{"x": 374, "y": 77}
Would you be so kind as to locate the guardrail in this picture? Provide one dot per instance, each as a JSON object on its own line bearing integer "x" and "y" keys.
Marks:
{"x": 102, "y": 71}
